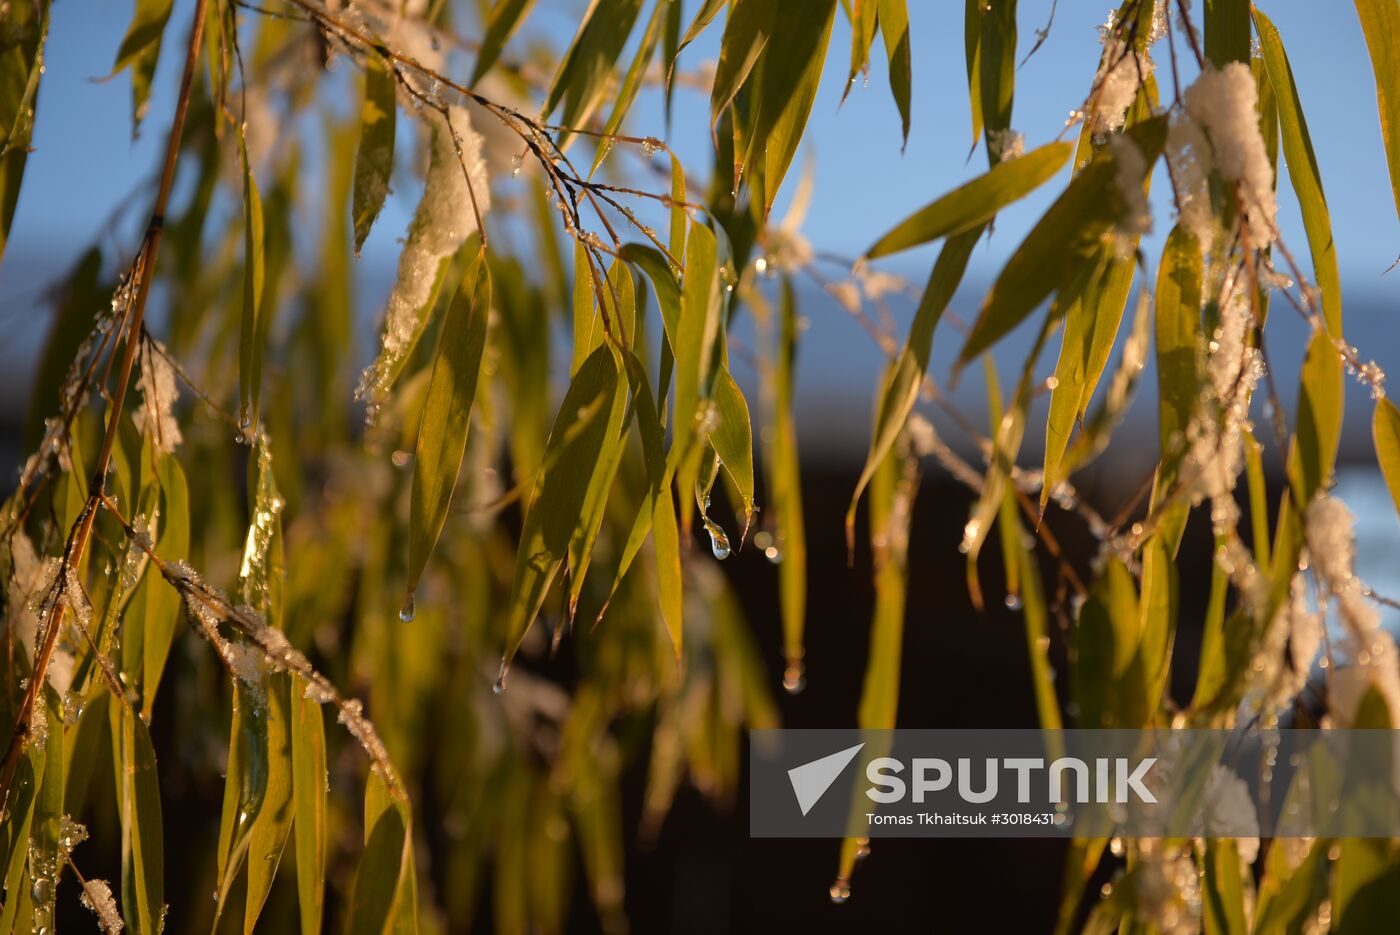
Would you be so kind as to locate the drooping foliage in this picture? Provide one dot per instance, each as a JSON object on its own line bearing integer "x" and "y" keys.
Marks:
{"x": 410, "y": 548}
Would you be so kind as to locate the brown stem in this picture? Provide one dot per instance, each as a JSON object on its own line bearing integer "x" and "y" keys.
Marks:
{"x": 143, "y": 268}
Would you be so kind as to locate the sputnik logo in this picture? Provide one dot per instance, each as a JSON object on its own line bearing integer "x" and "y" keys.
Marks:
{"x": 811, "y": 780}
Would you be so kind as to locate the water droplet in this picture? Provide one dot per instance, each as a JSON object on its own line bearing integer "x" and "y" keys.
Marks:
{"x": 1013, "y": 602}
{"x": 42, "y": 891}
{"x": 840, "y": 890}
{"x": 719, "y": 542}
{"x": 773, "y": 554}
{"x": 406, "y": 612}
{"x": 862, "y": 848}
{"x": 794, "y": 678}
{"x": 500, "y": 685}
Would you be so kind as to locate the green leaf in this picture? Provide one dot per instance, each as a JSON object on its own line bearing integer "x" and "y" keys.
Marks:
{"x": 384, "y": 896}
{"x": 1091, "y": 328}
{"x": 1179, "y": 345}
{"x": 1319, "y": 428}
{"x": 1385, "y": 432}
{"x": 446, "y": 419}
{"x": 374, "y": 156}
{"x": 894, "y": 28}
{"x": 694, "y": 341}
{"x": 1062, "y": 243}
{"x": 1303, "y": 173}
{"x": 309, "y": 795}
{"x": 792, "y": 70}
{"x": 581, "y": 432}
{"x": 156, "y": 603}
{"x": 785, "y": 484}
{"x": 21, "y": 66}
{"x": 703, "y": 17}
{"x": 975, "y": 203}
{"x": 996, "y": 65}
{"x": 632, "y": 82}
{"x": 506, "y": 16}
{"x": 14, "y": 832}
{"x": 583, "y": 73}
{"x": 268, "y": 836}
{"x": 732, "y": 438}
{"x": 1290, "y": 895}
{"x": 901, "y": 387}
{"x": 746, "y": 34}
{"x": 1380, "y": 22}
{"x": 250, "y": 350}
{"x": 1223, "y": 905}
{"x": 138, "y": 800}
{"x": 1227, "y": 31}
{"x": 863, "y": 19}
{"x": 245, "y": 783}
{"x": 140, "y": 49}
{"x": 649, "y": 261}
{"x": 1108, "y": 683}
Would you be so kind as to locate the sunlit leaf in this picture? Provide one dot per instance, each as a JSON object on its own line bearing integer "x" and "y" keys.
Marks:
{"x": 1065, "y": 239}
{"x": 268, "y": 836}
{"x": 374, "y": 157}
{"x": 1380, "y": 21}
{"x": 140, "y": 50}
{"x": 250, "y": 350}
{"x": 506, "y": 16}
{"x": 309, "y": 795}
{"x": 582, "y": 76}
{"x": 632, "y": 82}
{"x": 976, "y": 202}
{"x": 21, "y": 65}
{"x": 894, "y": 29}
{"x": 446, "y": 419}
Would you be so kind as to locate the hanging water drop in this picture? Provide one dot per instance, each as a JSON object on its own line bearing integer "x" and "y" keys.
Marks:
{"x": 719, "y": 542}
{"x": 862, "y": 848}
{"x": 500, "y": 685}
{"x": 1013, "y": 602}
{"x": 794, "y": 679}
{"x": 840, "y": 890}
{"x": 406, "y": 611}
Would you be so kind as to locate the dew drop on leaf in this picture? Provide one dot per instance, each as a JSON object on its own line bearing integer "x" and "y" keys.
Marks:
{"x": 1013, "y": 602}
{"x": 406, "y": 611}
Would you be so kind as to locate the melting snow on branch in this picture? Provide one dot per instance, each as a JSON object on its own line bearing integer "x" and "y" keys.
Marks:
{"x": 1225, "y": 103}
{"x": 444, "y": 220}
{"x": 1189, "y": 155}
{"x": 1332, "y": 550}
{"x": 1121, "y": 71}
{"x": 158, "y": 394}
{"x": 1136, "y": 217}
{"x": 97, "y": 897}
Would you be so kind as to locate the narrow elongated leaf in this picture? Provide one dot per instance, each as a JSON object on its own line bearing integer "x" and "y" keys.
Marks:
{"x": 894, "y": 29}
{"x": 156, "y": 602}
{"x": 446, "y": 420}
{"x": 1091, "y": 328}
{"x": 699, "y": 323}
{"x": 14, "y": 832}
{"x": 374, "y": 157}
{"x": 1304, "y": 174}
{"x": 976, "y": 202}
{"x": 268, "y": 836}
{"x": 589, "y": 520}
{"x": 21, "y": 66}
{"x": 1385, "y": 432}
{"x": 138, "y": 799}
{"x": 1380, "y": 22}
{"x": 732, "y": 438}
{"x": 703, "y": 17}
{"x": 746, "y": 34}
{"x": 792, "y": 69}
{"x": 572, "y": 456}
{"x": 250, "y": 351}
{"x": 245, "y": 782}
{"x": 632, "y": 82}
{"x": 140, "y": 49}
{"x": 1319, "y": 428}
{"x": 901, "y": 387}
{"x": 1227, "y": 31}
{"x": 384, "y": 895}
{"x": 996, "y": 67}
{"x": 1061, "y": 243}
{"x": 1108, "y": 683}
{"x": 863, "y": 20}
{"x": 309, "y": 795}
{"x": 506, "y": 16}
{"x": 582, "y": 76}
{"x": 786, "y": 487}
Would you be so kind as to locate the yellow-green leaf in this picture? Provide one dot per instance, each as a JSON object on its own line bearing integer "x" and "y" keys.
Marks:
{"x": 250, "y": 350}
{"x": 374, "y": 157}
{"x": 975, "y": 202}
{"x": 268, "y": 836}
{"x": 446, "y": 419}
{"x": 1065, "y": 239}
{"x": 505, "y": 17}
{"x": 309, "y": 795}
{"x": 140, "y": 49}
{"x": 1380, "y": 22}
{"x": 21, "y": 66}
{"x": 583, "y": 73}
{"x": 894, "y": 29}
